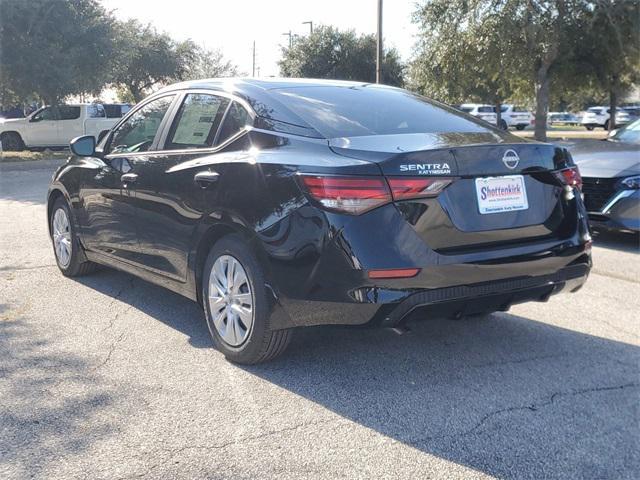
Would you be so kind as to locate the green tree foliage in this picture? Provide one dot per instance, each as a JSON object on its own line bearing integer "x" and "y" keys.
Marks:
{"x": 344, "y": 55}
{"x": 210, "y": 63}
{"x": 51, "y": 49}
{"x": 612, "y": 48}
{"x": 145, "y": 58}
{"x": 521, "y": 47}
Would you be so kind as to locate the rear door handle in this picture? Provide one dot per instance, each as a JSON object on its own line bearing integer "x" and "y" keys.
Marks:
{"x": 129, "y": 178}
{"x": 206, "y": 178}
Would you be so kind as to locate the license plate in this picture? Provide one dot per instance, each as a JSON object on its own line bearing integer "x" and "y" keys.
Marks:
{"x": 501, "y": 194}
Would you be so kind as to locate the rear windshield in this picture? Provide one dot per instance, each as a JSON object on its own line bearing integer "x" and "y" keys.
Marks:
{"x": 369, "y": 110}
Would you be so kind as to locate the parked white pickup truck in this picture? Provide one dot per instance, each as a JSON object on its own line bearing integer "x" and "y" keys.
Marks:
{"x": 55, "y": 126}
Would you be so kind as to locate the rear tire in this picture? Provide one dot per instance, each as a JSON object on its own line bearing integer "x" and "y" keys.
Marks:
{"x": 237, "y": 308}
{"x": 606, "y": 125}
{"x": 503, "y": 125}
{"x": 520, "y": 127}
{"x": 66, "y": 245}
{"x": 12, "y": 142}
{"x": 589, "y": 127}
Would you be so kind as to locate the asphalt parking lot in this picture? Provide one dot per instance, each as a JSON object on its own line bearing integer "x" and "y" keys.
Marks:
{"x": 109, "y": 377}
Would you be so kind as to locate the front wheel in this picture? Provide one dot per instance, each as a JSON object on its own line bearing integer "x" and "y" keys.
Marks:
{"x": 589, "y": 127}
{"x": 236, "y": 304}
{"x": 503, "y": 125}
{"x": 66, "y": 245}
{"x": 520, "y": 127}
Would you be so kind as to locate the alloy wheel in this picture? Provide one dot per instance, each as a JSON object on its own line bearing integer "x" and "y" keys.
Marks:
{"x": 230, "y": 300}
{"x": 62, "y": 237}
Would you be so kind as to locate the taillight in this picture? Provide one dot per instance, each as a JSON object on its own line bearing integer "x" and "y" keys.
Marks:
{"x": 570, "y": 176}
{"x": 353, "y": 195}
{"x": 405, "y": 188}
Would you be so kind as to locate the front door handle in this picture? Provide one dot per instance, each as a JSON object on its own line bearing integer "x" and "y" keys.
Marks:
{"x": 206, "y": 178}
{"x": 129, "y": 178}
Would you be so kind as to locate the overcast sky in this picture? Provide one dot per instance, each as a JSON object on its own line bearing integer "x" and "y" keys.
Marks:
{"x": 233, "y": 25}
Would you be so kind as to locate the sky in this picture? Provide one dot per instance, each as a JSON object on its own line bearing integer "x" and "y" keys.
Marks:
{"x": 233, "y": 25}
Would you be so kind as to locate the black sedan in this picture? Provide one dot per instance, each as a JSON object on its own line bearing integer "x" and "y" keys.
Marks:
{"x": 287, "y": 203}
{"x": 611, "y": 175}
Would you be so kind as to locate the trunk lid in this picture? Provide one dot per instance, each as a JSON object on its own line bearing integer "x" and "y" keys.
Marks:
{"x": 460, "y": 218}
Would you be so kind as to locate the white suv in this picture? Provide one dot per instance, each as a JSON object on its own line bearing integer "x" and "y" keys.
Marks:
{"x": 599, "y": 117}
{"x": 483, "y": 112}
{"x": 514, "y": 116}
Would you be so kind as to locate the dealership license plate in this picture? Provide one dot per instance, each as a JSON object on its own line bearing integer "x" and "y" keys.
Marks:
{"x": 501, "y": 194}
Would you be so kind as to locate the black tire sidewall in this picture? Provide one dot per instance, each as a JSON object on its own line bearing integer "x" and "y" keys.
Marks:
{"x": 12, "y": 142}
{"x": 235, "y": 246}
{"x": 74, "y": 262}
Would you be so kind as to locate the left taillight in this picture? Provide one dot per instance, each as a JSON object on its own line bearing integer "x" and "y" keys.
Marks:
{"x": 570, "y": 176}
{"x": 354, "y": 195}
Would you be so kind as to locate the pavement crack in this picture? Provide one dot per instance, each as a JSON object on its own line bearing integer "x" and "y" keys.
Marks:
{"x": 531, "y": 407}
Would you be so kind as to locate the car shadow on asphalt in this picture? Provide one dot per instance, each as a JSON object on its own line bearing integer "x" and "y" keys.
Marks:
{"x": 502, "y": 394}
{"x": 621, "y": 241}
{"x": 51, "y": 401}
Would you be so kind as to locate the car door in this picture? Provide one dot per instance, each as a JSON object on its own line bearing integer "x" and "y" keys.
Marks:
{"x": 108, "y": 192}
{"x": 69, "y": 124}
{"x": 42, "y": 130}
{"x": 166, "y": 197}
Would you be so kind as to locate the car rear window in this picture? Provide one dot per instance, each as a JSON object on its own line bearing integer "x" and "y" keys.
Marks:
{"x": 337, "y": 111}
{"x": 486, "y": 109}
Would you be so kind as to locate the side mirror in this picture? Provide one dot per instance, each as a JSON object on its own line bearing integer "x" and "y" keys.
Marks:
{"x": 84, "y": 146}
{"x": 34, "y": 119}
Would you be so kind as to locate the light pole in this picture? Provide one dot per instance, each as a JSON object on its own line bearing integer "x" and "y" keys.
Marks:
{"x": 290, "y": 35}
{"x": 253, "y": 70}
{"x": 379, "y": 46}
{"x": 310, "y": 23}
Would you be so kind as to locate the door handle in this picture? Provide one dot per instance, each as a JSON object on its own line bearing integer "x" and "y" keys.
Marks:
{"x": 129, "y": 178}
{"x": 206, "y": 178}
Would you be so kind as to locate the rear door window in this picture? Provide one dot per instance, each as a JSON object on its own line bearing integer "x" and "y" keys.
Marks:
{"x": 68, "y": 112}
{"x": 197, "y": 122}
{"x": 236, "y": 119}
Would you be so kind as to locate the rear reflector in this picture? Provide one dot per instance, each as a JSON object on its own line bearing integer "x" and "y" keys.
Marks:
{"x": 394, "y": 273}
{"x": 348, "y": 194}
{"x": 570, "y": 176}
{"x": 405, "y": 188}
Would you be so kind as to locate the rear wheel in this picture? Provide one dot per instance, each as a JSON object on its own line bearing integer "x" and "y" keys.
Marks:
{"x": 503, "y": 125}
{"x": 12, "y": 142}
{"x": 606, "y": 125}
{"x": 236, "y": 304}
{"x": 66, "y": 246}
{"x": 589, "y": 127}
{"x": 520, "y": 127}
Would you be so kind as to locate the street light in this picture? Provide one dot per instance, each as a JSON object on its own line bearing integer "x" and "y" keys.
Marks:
{"x": 310, "y": 23}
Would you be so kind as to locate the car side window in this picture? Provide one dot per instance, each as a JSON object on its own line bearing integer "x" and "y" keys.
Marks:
{"x": 137, "y": 133}
{"x": 68, "y": 112}
{"x": 95, "y": 111}
{"x": 237, "y": 118}
{"x": 48, "y": 113}
{"x": 197, "y": 122}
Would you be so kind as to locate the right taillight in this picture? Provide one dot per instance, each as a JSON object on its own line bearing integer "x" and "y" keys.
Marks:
{"x": 570, "y": 176}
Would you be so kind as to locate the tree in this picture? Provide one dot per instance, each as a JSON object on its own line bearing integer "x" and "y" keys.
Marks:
{"x": 51, "y": 49}
{"x": 344, "y": 55}
{"x": 145, "y": 58}
{"x": 523, "y": 44}
{"x": 210, "y": 64}
{"x": 463, "y": 56}
{"x": 613, "y": 48}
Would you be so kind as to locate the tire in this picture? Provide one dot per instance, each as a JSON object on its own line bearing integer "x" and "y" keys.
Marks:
{"x": 74, "y": 264}
{"x": 606, "y": 125}
{"x": 520, "y": 127}
{"x": 12, "y": 142}
{"x": 503, "y": 125}
{"x": 239, "y": 342}
{"x": 589, "y": 127}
